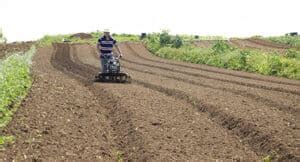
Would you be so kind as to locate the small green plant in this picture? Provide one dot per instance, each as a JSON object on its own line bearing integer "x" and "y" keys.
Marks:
{"x": 6, "y": 140}
{"x": 119, "y": 157}
{"x": 267, "y": 158}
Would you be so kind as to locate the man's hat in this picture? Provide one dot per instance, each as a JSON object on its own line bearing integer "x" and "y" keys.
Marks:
{"x": 106, "y": 31}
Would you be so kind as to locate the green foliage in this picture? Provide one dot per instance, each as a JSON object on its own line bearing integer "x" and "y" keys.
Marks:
{"x": 164, "y": 38}
{"x": 48, "y": 40}
{"x": 119, "y": 157}
{"x": 152, "y": 42}
{"x": 15, "y": 81}
{"x": 155, "y": 41}
{"x": 225, "y": 56}
{"x": 126, "y": 37}
{"x": 293, "y": 53}
{"x": 267, "y": 158}
{"x": 6, "y": 140}
{"x": 289, "y": 40}
{"x": 221, "y": 47}
{"x": 177, "y": 42}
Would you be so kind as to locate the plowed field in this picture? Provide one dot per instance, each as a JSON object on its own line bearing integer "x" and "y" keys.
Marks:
{"x": 171, "y": 111}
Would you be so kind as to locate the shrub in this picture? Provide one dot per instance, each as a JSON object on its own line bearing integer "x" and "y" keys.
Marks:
{"x": 221, "y": 47}
{"x": 164, "y": 38}
{"x": 177, "y": 42}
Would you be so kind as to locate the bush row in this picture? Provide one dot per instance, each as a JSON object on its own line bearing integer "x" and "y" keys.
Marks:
{"x": 225, "y": 56}
{"x": 15, "y": 81}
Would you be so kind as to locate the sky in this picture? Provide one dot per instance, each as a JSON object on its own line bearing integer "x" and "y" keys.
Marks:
{"x": 23, "y": 20}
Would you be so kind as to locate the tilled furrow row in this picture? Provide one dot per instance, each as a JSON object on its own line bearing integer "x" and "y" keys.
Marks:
{"x": 255, "y": 98}
{"x": 267, "y": 44}
{"x": 260, "y": 142}
{"x": 278, "y": 89}
{"x": 160, "y": 60}
{"x": 125, "y": 135}
{"x": 266, "y": 101}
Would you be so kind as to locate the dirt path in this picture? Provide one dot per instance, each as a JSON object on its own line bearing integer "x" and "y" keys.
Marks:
{"x": 14, "y": 47}
{"x": 171, "y": 111}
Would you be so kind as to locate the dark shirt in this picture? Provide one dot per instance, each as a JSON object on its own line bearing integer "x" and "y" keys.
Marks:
{"x": 106, "y": 45}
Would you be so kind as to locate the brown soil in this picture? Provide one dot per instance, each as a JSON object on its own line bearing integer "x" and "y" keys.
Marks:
{"x": 261, "y": 44}
{"x": 204, "y": 43}
{"x": 5, "y": 49}
{"x": 250, "y": 43}
{"x": 171, "y": 111}
{"x": 268, "y": 43}
{"x": 82, "y": 36}
{"x": 253, "y": 43}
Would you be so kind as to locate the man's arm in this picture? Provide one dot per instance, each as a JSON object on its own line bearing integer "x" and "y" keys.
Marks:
{"x": 118, "y": 49}
{"x": 99, "y": 47}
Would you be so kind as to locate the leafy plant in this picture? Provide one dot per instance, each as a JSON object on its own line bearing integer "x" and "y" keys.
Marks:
{"x": 6, "y": 140}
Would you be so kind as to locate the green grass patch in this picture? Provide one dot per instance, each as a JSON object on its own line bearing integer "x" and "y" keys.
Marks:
{"x": 223, "y": 55}
{"x": 15, "y": 81}
{"x": 126, "y": 37}
{"x": 48, "y": 40}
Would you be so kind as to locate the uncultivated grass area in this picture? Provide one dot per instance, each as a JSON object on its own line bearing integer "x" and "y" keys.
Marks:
{"x": 15, "y": 81}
